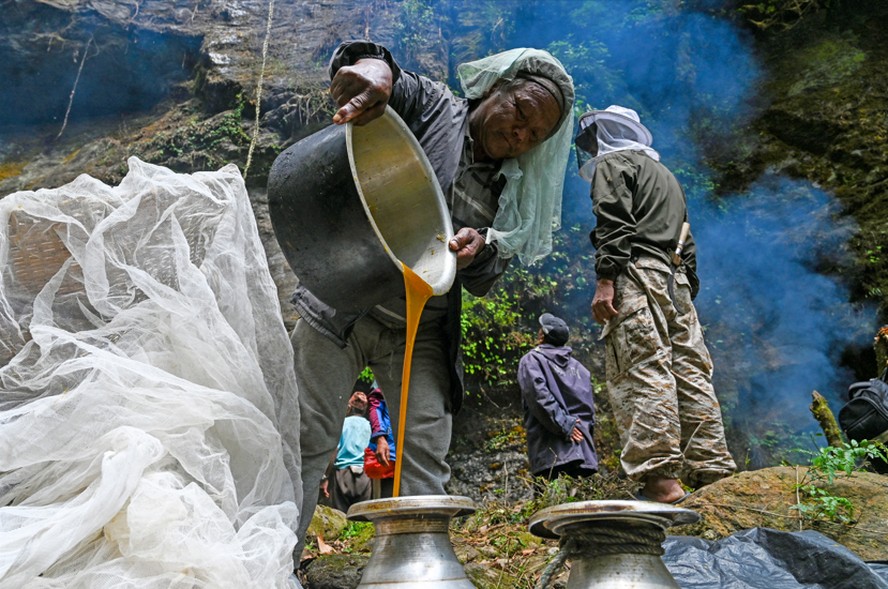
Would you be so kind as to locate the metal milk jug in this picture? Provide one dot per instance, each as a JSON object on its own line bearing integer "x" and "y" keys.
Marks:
{"x": 411, "y": 548}
{"x": 612, "y": 544}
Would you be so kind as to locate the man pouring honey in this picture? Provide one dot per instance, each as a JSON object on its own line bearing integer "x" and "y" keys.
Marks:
{"x": 499, "y": 156}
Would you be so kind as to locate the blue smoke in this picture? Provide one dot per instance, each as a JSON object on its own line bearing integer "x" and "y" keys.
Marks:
{"x": 777, "y": 326}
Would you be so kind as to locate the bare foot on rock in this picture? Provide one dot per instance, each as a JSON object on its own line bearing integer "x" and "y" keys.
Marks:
{"x": 662, "y": 490}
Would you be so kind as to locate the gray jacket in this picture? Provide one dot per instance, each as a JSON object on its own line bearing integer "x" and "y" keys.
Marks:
{"x": 556, "y": 391}
{"x": 439, "y": 121}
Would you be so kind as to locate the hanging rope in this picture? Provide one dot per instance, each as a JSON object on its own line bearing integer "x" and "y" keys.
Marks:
{"x": 551, "y": 569}
{"x": 74, "y": 87}
{"x": 259, "y": 87}
{"x": 604, "y": 539}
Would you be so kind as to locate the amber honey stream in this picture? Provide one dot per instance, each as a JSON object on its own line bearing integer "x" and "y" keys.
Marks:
{"x": 418, "y": 292}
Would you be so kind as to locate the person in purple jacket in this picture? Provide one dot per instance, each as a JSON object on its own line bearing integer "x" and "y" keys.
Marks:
{"x": 559, "y": 412}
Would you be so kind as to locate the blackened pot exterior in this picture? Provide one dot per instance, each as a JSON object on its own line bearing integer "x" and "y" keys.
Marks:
{"x": 348, "y": 204}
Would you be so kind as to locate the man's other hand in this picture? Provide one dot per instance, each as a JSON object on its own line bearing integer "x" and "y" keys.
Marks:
{"x": 362, "y": 91}
{"x": 382, "y": 451}
{"x": 467, "y": 243}
{"x": 576, "y": 435}
{"x": 603, "y": 302}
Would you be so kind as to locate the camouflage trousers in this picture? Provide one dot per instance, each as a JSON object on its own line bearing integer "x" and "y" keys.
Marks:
{"x": 659, "y": 379}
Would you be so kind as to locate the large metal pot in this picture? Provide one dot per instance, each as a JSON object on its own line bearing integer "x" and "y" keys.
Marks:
{"x": 612, "y": 544}
{"x": 411, "y": 546}
{"x": 349, "y": 204}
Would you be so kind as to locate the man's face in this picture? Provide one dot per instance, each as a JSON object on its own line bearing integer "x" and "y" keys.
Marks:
{"x": 358, "y": 400}
{"x": 513, "y": 119}
{"x": 588, "y": 140}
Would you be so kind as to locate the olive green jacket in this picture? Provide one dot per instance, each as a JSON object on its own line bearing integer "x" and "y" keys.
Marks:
{"x": 640, "y": 207}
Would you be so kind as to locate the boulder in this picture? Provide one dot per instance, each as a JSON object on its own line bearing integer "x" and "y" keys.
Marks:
{"x": 765, "y": 498}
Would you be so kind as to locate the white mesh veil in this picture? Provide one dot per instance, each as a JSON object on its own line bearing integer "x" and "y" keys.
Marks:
{"x": 530, "y": 205}
{"x": 144, "y": 370}
{"x": 616, "y": 129}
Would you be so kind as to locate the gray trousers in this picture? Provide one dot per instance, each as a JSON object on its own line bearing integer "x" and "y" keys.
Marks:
{"x": 659, "y": 379}
{"x": 348, "y": 486}
{"x": 326, "y": 374}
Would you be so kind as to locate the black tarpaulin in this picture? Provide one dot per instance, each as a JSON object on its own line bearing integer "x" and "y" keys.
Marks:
{"x": 762, "y": 558}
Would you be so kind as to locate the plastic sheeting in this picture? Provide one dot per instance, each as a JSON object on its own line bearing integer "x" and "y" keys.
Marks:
{"x": 145, "y": 373}
{"x": 762, "y": 558}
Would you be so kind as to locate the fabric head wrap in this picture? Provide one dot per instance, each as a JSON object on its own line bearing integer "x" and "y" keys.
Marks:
{"x": 530, "y": 204}
{"x": 554, "y": 90}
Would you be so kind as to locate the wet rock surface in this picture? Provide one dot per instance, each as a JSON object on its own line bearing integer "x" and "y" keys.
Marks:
{"x": 765, "y": 498}
{"x": 90, "y": 84}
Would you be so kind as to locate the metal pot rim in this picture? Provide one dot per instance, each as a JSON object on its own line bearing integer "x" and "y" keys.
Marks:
{"x": 448, "y": 274}
{"x": 549, "y": 522}
{"x": 440, "y": 505}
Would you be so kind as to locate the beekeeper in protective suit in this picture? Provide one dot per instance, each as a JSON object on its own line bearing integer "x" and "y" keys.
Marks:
{"x": 499, "y": 155}
{"x": 659, "y": 372}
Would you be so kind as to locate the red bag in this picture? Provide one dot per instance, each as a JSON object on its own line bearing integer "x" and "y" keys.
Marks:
{"x": 374, "y": 469}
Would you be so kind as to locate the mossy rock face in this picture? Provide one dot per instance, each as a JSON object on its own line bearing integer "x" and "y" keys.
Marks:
{"x": 335, "y": 571}
{"x": 327, "y": 522}
{"x": 827, "y": 93}
{"x": 765, "y": 498}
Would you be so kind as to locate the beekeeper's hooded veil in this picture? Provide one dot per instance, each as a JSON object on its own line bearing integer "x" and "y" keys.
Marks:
{"x": 615, "y": 128}
{"x": 530, "y": 205}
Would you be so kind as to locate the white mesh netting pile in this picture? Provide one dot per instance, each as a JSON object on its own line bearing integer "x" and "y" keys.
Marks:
{"x": 144, "y": 373}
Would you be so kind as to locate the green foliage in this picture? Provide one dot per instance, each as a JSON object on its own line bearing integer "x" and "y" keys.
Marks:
{"x": 367, "y": 375}
{"x": 830, "y": 462}
{"x": 566, "y": 489}
{"x": 499, "y": 328}
{"x": 214, "y": 140}
{"x": 827, "y": 465}
{"x": 825, "y": 64}
{"x": 870, "y": 246}
{"x": 696, "y": 182}
{"x": 356, "y": 529}
{"x": 412, "y": 30}
{"x": 781, "y": 14}
{"x": 554, "y": 492}
{"x": 478, "y": 27}
{"x": 586, "y": 60}
{"x": 491, "y": 343}
{"x": 511, "y": 438}
{"x": 771, "y": 443}
{"x": 356, "y": 536}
